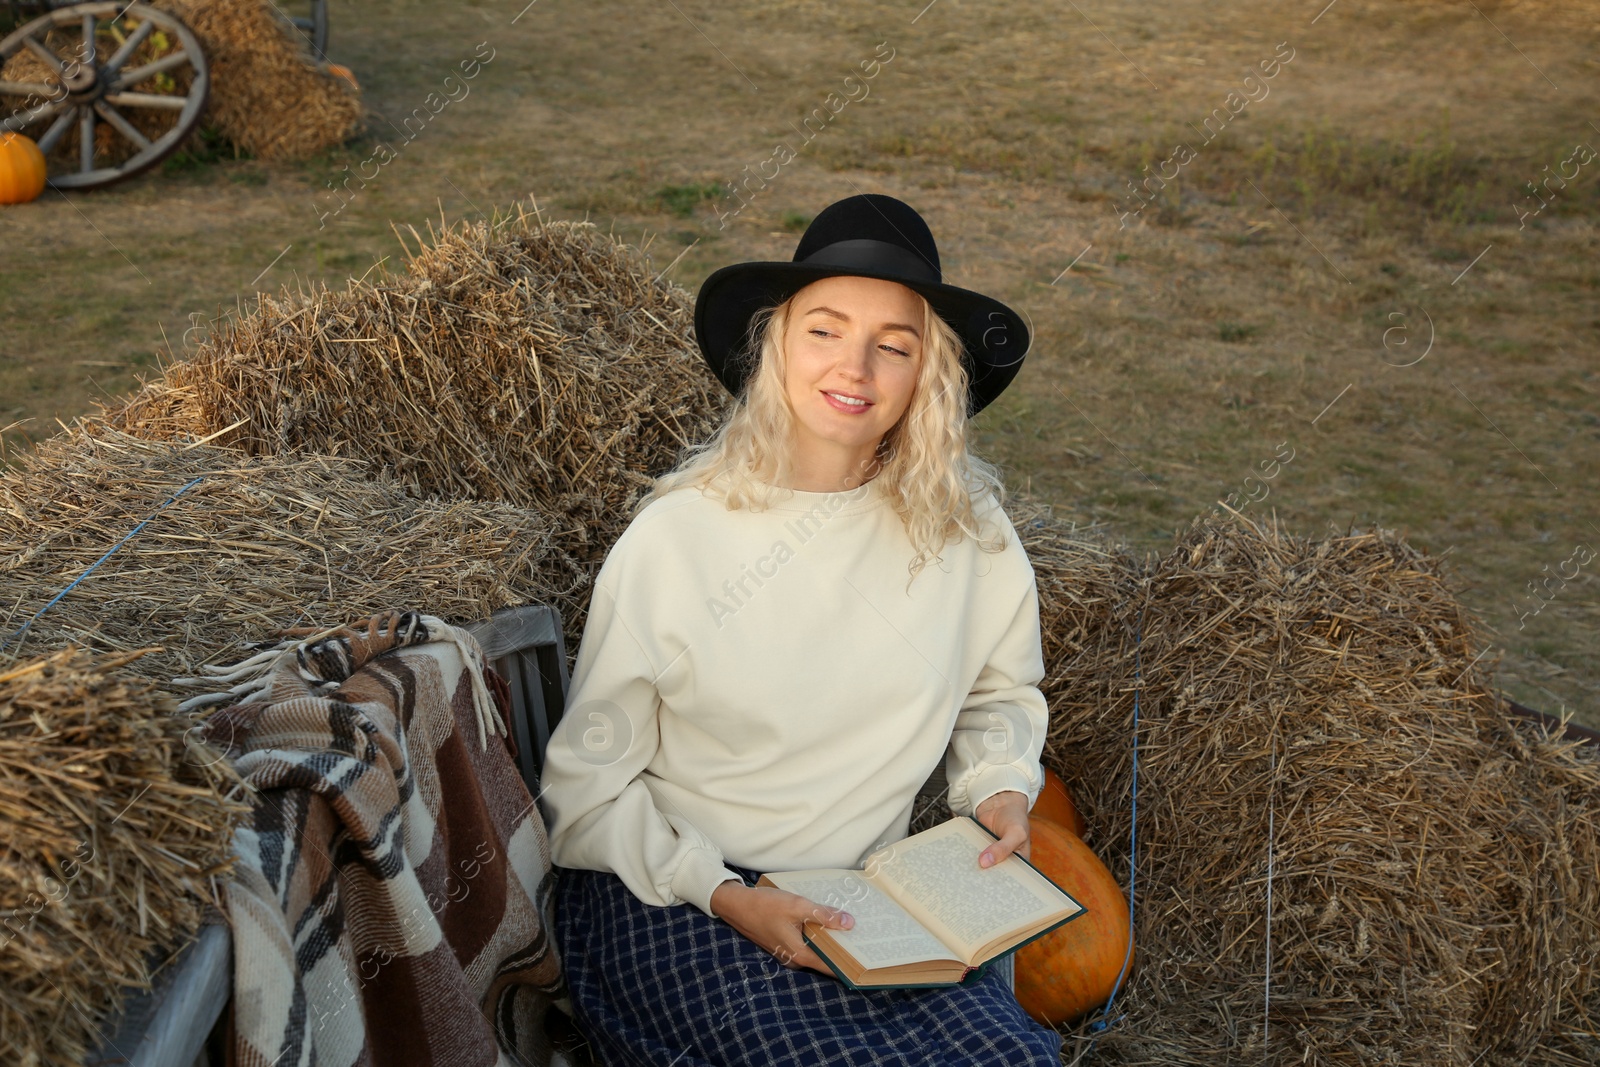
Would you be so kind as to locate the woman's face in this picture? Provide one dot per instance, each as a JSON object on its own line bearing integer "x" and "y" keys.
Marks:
{"x": 854, "y": 349}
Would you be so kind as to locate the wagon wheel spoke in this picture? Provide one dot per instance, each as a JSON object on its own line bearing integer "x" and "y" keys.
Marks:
{"x": 169, "y": 103}
{"x": 88, "y": 39}
{"x": 135, "y": 39}
{"x": 27, "y": 89}
{"x": 139, "y": 74}
{"x": 53, "y": 60}
{"x": 57, "y": 130}
{"x": 42, "y": 113}
{"x": 122, "y": 125}
{"x": 85, "y": 139}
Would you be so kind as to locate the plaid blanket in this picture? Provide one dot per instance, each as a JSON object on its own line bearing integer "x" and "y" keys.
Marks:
{"x": 391, "y": 903}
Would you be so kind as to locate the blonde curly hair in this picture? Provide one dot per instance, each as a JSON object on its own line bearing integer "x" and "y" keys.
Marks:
{"x": 923, "y": 462}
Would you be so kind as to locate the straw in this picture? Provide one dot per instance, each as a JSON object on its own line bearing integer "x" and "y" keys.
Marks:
{"x": 113, "y": 830}
{"x": 537, "y": 364}
{"x": 1431, "y": 860}
{"x": 258, "y": 545}
{"x": 269, "y": 96}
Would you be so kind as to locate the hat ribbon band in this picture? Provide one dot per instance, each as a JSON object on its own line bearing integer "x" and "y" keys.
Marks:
{"x": 878, "y": 256}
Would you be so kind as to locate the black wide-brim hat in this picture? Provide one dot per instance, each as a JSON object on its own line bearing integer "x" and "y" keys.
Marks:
{"x": 871, "y": 236}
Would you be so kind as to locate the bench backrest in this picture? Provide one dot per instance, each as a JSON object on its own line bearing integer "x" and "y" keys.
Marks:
{"x": 525, "y": 647}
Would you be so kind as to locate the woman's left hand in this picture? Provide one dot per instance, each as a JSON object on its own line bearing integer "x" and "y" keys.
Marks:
{"x": 1006, "y": 816}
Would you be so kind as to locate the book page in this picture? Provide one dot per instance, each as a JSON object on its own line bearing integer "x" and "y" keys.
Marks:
{"x": 884, "y": 934}
{"x": 936, "y": 875}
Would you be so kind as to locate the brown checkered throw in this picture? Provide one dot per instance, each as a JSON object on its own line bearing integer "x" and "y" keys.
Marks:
{"x": 391, "y": 903}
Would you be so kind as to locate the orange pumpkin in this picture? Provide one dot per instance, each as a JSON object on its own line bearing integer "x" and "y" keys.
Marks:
{"x": 1055, "y": 804}
{"x": 22, "y": 170}
{"x": 1073, "y": 969}
{"x": 340, "y": 71}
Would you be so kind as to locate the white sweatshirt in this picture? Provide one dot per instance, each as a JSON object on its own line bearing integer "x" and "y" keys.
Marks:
{"x": 761, "y": 688}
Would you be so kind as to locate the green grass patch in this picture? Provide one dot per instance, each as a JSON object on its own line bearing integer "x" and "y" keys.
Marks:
{"x": 1432, "y": 172}
{"x": 681, "y": 200}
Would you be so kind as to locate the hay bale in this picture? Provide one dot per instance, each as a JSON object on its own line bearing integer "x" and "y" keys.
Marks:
{"x": 257, "y": 545}
{"x": 541, "y": 364}
{"x": 269, "y": 96}
{"x": 113, "y": 828}
{"x": 1318, "y": 703}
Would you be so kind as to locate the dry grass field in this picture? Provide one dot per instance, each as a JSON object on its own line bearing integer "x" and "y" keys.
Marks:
{"x": 1371, "y": 275}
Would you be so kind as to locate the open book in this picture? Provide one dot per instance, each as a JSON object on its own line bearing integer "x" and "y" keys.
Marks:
{"x": 925, "y": 913}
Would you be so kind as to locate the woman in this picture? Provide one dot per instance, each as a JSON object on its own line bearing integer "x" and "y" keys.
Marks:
{"x": 817, "y": 606}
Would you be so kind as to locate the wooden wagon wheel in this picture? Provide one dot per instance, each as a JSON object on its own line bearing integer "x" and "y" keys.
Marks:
{"x": 132, "y": 80}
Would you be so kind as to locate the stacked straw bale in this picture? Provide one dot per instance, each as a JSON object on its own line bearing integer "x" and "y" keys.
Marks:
{"x": 258, "y": 545}
{"x": 113, "y": 824}
{"x": 538, "y": 364}
{"x": 1318, "y": 705}
{"x": 269, "y": 96}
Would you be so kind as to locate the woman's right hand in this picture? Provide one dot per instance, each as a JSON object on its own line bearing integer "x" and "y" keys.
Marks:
{"x": 774, "y": 918}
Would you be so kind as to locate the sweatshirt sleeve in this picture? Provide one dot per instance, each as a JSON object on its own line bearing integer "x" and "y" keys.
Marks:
{"x": 602, "y": 816}
{"x": 1000, "y": 730}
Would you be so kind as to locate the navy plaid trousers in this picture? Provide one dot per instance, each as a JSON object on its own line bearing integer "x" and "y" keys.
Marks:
{"x": 672, "y": 987}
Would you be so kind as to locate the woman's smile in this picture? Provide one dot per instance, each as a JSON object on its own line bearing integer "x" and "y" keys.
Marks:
{"x": 849, "y": 403}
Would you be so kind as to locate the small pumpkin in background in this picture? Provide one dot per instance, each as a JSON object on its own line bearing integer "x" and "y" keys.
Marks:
{"x": 341, "y": 71}
{"x": 1055, "y": 804}
{"x": 22, "y": 169}
{"x": 1073, "y": 969}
